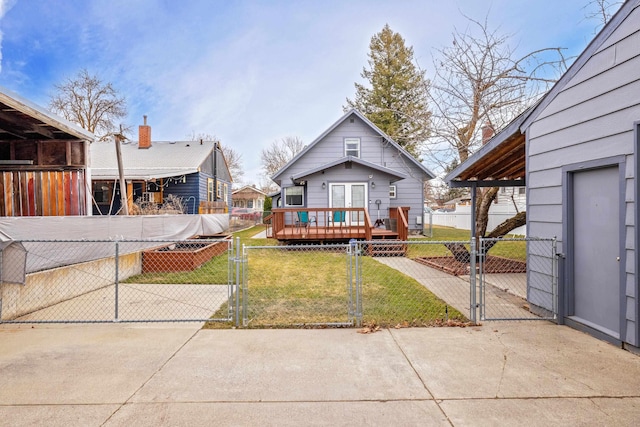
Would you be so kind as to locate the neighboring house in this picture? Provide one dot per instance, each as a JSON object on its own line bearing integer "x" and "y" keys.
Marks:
{"x": 44, "y": 161}
{"x": 248, "y": 197}
{"x": 578, "y": 151}
{"x": 193, "y": 171}
{"x": 353, "y": 164}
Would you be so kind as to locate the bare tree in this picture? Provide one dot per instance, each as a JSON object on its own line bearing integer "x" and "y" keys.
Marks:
{"x": 480, "y": 81}
{"x": 601, "y": 11}
{"x": 232, "y": 157}
{"x": 279, "y": 153}
{"x": 91, "y": 103}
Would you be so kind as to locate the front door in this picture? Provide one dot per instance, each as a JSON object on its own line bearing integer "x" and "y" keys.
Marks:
{"x": 349, "y": 195}
{"x": 596, "y": 250}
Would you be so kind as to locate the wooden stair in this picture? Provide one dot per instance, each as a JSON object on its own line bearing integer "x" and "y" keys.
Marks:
{"x": 387, "y": 248}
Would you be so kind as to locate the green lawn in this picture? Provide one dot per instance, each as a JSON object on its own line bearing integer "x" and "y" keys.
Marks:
{"x": 508, "y": 249}
{"x": 295, "y": 287}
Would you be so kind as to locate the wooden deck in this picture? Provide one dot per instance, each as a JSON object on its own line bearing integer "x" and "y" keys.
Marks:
{"x": 333, "y": 225}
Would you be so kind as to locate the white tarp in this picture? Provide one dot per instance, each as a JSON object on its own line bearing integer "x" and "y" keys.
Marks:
{"x": 85, "y": 238}
{"x": 13, "y": 261}
{"x": 113, "y": 227}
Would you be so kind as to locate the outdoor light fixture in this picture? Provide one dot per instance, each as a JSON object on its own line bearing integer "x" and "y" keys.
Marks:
{"x": 324, "y": 185}
{"x": 373, "y": 184}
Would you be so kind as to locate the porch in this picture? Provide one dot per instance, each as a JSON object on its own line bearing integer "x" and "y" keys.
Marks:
{"x": 335, "y": 224}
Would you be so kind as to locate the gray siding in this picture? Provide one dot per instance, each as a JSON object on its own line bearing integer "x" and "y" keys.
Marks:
{"x": 591, "y": 118}
{"x": 372, "y": 149}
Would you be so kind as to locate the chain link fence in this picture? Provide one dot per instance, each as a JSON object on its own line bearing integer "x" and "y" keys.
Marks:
{"x": 518, "y": 279}
{"x": 125, "y": 280}
{"x": 385, "y": 283}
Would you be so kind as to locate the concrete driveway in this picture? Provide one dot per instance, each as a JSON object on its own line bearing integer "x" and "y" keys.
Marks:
{"x": 511, "y": 374}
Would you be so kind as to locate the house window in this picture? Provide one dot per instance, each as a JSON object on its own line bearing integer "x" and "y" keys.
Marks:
{"x": 522, "y": 190}
{"x": 293, "y": 196}
{"x": 219, "y": 190}
{"x": 352, "y": 147}
{"x": 250, "y": 204}
{"x": 102, "y": 192}
{"x": 210, "y": 189}
{"x": 392, "y": 191}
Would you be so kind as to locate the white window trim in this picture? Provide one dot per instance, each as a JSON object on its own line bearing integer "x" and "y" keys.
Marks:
{"x": 351, "y": 141}
{"x": 393, "y": 192}
{"x": 285, "y": 196}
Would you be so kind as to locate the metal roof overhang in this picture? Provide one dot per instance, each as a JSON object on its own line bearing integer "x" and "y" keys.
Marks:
{"x": 499, "y": 163}
{"x": 140, "y": 174}
{"x": 22, "y": 120}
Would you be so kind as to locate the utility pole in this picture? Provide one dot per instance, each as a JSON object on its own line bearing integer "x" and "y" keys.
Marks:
{"x": 123, "y": 185}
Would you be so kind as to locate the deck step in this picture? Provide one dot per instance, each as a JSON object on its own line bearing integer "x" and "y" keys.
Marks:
{"x": 390, "y": 247}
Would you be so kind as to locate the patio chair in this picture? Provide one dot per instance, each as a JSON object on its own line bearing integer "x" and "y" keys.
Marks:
{"x": 304, "y": 220}
{"x": 338, "y": 217}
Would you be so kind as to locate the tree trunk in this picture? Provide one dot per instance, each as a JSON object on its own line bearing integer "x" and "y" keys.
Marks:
{"x": 461, "y": 253}
{"x": 512, "y": 223}
{"x": 483, "y": 204}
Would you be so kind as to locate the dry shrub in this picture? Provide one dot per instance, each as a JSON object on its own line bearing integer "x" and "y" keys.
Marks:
{"x": 172, "y": 205}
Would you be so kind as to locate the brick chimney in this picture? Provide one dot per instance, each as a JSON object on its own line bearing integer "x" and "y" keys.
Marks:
{"x": 144, "y": 135}
{"x": 487, "y": 132}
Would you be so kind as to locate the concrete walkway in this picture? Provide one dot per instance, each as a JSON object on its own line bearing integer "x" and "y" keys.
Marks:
{"x": 505, "y": 374}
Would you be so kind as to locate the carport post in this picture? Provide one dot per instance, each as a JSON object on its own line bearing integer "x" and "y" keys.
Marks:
{"x": 472, "y": 280}
{"x": 473, "y": 251}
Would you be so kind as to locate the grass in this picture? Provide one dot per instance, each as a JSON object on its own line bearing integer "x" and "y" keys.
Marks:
{"x": 508, "y": 249}
{"x": 307, "y": 288}
{"x": 291, "y": 287}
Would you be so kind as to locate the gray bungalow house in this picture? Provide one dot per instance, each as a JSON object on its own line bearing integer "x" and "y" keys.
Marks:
{"x": 193, "y": 171}
{"x": 577, "y": 150}
{"x": 353, "y": 181}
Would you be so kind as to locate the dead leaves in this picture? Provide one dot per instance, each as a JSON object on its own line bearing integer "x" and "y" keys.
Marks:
{"x": 371, "y": 327}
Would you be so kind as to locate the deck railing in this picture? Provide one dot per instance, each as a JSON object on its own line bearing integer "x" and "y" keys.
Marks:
{"x": 319, "y": 223}
{"x": 332, "y": 224}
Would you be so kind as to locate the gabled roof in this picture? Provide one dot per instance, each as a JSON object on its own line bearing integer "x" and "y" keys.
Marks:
{"x": 361, "y": 116}
{"x": 161, "y": 160}
{"x": 483, "y": 167}
{"x": 352, "y": 159}
{"x": 21, "y": 119}
{"x": 249, "y": 187}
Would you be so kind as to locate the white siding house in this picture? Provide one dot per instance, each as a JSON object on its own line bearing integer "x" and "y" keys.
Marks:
{"x": 581, "y": 166}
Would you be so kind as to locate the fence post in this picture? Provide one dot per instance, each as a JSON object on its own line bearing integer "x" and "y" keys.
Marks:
{"x": 472, "y": 281}
{"x": 356, "y": 249}
{"x": 245, "y": 264}
{"x": 236, "y": 261}
{"x": 117, "y": 279}
{"x": 554, "y": 278}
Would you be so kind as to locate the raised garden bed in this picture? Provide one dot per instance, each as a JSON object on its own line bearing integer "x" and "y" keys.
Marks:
{"x": 182, "y": 256}
{"x": 492, "y": 265}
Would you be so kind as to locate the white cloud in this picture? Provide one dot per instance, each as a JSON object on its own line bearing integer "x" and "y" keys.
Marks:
{"x": 5, "y": 6}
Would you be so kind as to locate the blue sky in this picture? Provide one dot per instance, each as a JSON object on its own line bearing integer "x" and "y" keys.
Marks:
{"x": 248, "y": 72}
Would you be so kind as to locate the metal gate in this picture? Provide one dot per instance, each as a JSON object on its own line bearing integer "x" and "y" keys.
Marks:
{"x": 518, "y": 279}
{"x": 292, "y": 294}
{"x": 83, "y": 281}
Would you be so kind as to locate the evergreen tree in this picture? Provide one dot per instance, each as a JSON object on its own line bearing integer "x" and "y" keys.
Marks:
{"x": 396, "y": 100}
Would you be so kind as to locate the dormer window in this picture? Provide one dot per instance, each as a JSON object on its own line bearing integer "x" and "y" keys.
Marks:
{"x": 352, "y": 147}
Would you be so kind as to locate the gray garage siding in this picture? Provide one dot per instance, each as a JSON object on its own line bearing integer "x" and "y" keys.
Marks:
{"x": 591, "y": 118}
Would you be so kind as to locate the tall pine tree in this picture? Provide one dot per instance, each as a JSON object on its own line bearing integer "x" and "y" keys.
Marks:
{"x": 396, "y": 100}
